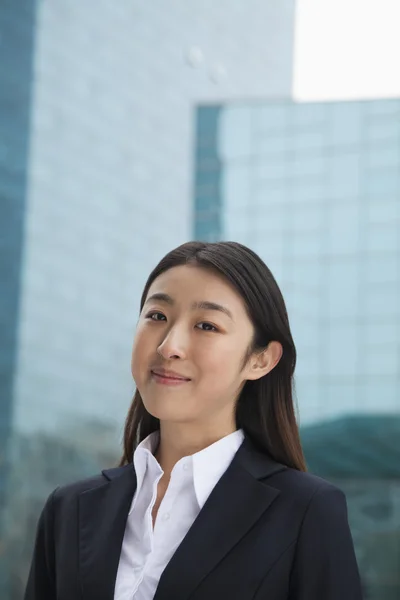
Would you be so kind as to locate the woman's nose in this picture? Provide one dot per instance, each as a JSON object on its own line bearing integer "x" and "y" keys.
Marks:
{"x": 172, "y": 346}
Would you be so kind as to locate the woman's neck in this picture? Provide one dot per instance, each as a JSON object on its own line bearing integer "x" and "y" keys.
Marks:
{"x": 177, "y": 441}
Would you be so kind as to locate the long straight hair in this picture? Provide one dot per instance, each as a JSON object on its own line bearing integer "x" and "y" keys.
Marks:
{"x": 265, "y": 408}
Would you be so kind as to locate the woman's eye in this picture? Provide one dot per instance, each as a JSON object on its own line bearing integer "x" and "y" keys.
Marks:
{"x": 207, "y": 327}
{"x": 154, "y": 316}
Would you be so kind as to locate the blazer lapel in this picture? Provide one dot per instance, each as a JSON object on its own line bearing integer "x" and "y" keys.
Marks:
{"x": 237, "y": 502}
{"x": 103, "y": 512}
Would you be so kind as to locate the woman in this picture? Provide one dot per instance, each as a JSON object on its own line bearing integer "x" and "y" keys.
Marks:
{"x": 211, "y": 499}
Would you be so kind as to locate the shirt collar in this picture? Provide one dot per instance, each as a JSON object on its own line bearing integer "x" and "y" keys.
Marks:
{"x": 143, "y": 458}
{"x": 208, "y": 465}
{"x": 211, "y": 463}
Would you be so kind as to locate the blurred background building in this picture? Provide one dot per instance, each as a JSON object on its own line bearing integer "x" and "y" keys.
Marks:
{"x": 128, "y": 129}
{"x": 96, "y": 176}
{"x": 314, "y": 189}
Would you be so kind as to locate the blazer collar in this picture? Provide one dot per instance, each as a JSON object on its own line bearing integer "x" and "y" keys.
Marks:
{"x": 259, "y": 464}
{"x": 103, "y": 512}
{"x": 236, "y": 503}
{"x": 234, "y": 506}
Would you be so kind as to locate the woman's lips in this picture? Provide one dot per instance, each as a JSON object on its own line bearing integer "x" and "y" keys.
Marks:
{"x": 168, "y": 379}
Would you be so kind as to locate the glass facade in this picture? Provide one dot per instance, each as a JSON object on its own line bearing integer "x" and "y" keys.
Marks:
{"x": 314, "y": 188}
{"x": 17, "y": 25}
{"x": 96, "y": 165}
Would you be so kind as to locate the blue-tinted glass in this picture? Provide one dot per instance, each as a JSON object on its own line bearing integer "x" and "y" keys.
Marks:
{"x": 310, "y": 399}
{"x": 344, "y": 176}
{"x": 269, "y": 169}
{"x": 381, "y": 181}
{"x": 269, "y": 193}
{"x": 340, "y": 397}
{"x": 17, "y": 29}
{"x": 382, "y": 390}
{"x": 308, "y": 141}
{"x": 235, "y": 133}
{"x": 383, "y": 154}
{"x": 342, "y": 345}
{"x": 272, "y": 117}
{"x": 207, "y": 119}
{"x": 380, "y": 331}
{"x": 383, "y": 300}
{"x": 307, "y": 217}
{"x": 308, "y": 274}
{"x": 305, "y": 303}
{"x": 384, "y": 238}
{"x": 343, "y": 165}
{"x": 271, "y": 220}
{"x": 383, "y": 107}
{"x": 307, "y": 245}
{"x": 383, "y": 209}
{"x": 309, "y": 115}
{"x": 273, "y": 146}
{"x": 308, "y": 165}
{"x": 235, "y": 186}
{"x": 207, "y": 213}
{"x": 344, "y": 221}
{"x": 345, "y": 124}
{"x": 206, "y": 202}
{"x": 309, "y": 362}
{"x": 380, "y": 268}
{"x": 208, "y": 173}
{"x": 273, "y": 245}
{"x": 342, "y": 288}
{"x": 383, "y": 128}
{"x": 206, "y": 231}
{"x": 237, "y": 222}
{"x": 309, "y": 190}
{"x": 382, "y": 358}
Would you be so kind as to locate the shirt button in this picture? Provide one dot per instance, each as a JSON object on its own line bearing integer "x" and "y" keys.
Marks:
{"x": 166, "y": 516}
{"x": 186, "y": 466}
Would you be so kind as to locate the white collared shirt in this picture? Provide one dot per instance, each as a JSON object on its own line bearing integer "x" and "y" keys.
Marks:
{"x": 146, "y": 552}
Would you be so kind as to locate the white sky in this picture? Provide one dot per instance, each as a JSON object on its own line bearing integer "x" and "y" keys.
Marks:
{"x": 347, "y": 49}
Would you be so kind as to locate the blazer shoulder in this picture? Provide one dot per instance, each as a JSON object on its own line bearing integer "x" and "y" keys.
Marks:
{"x": 71, "y": 490}
{"x": 303, "y": 485}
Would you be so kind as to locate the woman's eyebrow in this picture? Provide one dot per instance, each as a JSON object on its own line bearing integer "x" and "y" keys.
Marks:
{"x": 206, "y": 305}
{"x": 161, "y": 297}
{"x": 203, "y": 304}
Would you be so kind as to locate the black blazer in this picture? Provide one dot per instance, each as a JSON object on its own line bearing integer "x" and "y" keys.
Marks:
{"x": 266, "y": 532}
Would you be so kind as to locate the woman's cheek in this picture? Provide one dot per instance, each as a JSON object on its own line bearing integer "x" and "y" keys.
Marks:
{"x": 220, "y": 367}
{"x": 136, "y": 366}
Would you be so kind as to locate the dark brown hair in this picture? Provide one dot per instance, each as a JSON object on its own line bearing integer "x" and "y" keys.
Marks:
{"x": 265, "y": 408}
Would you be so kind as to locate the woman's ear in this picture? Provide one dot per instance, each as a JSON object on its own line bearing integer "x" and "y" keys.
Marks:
{"x": 263, "y": 362}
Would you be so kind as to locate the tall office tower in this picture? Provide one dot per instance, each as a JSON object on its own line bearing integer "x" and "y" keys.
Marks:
{"x": 314, "y": 188}
{"x": 97, "y": 111}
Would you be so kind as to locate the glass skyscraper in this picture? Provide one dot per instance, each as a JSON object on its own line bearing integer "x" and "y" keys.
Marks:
{"x": 96, "y": 163}
{"x": 314, "y": 188}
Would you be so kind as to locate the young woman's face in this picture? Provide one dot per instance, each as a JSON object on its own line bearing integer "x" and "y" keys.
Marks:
{"x": 192, "y": 336}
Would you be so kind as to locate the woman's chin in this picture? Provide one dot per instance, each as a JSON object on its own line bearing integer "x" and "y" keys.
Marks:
{"x": 168, "y": 413}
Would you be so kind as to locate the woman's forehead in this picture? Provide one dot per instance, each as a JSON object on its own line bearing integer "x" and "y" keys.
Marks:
{"x": 190, "y": 283}
{"x": 187, "y": 278}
